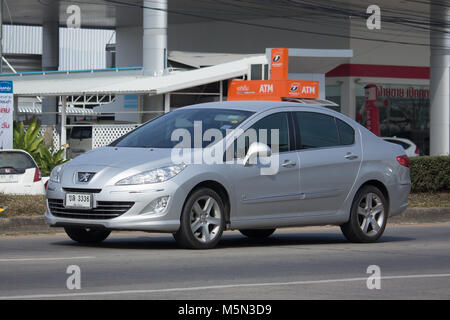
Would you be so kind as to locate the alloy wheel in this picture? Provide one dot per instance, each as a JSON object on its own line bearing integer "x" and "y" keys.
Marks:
{"x": 371, "y": 214}
{"x": 205, "y": 219}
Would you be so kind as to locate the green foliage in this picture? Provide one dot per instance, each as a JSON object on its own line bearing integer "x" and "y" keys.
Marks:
{"x": 27, "y": 140}
{"x": 49, "y": 159}
{"x": 430, "y": 174}
{"x": 30, "y": 141}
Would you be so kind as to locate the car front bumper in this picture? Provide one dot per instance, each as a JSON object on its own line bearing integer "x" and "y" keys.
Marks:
{"x": 139, "y": 217}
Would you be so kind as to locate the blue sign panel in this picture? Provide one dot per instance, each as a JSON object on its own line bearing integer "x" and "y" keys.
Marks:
{"x": 6, "y": 86}
{"x": 131, "y": 101}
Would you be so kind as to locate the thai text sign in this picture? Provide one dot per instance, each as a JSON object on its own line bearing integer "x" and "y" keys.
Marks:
{"x": 6, "y": 114}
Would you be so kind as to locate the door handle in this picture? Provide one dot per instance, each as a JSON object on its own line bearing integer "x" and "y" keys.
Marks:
{"x": 288, "y": 164}
{"x": 350, "y": 156}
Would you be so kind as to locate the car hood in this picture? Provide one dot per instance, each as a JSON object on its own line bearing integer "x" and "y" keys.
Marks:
{"x": 123, "y": 158}
{"x": 111, "y": 164}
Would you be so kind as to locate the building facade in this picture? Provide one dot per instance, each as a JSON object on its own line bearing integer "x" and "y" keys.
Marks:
{"x": 406, "y": 57}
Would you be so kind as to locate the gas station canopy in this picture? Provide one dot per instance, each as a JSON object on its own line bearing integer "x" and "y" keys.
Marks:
{"x": 113, "y": 82}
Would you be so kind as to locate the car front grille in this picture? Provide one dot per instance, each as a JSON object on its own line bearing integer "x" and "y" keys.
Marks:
{"x": 82, "y": 190}
{"x": 104, "y": 210}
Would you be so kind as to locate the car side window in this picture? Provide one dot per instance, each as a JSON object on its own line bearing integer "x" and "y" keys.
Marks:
{"x": 262, "y": 130}
{"x": 346, "y": 133}
{"x": 316, "y": 130}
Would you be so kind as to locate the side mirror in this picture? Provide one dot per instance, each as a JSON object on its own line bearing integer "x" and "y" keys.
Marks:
{"x": 256, "y": 149}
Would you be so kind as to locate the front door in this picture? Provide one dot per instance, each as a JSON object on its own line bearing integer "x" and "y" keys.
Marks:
{"x": 264, "y": 193}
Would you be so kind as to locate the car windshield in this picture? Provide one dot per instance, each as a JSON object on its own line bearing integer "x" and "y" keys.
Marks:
{"x": 161, "y": 132}
{"x": 15, "y": 160}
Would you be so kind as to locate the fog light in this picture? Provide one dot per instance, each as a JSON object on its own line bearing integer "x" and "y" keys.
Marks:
{"x": 158, "y": 205}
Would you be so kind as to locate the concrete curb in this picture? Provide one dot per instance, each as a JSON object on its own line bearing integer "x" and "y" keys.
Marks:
{"x": 37, "y": 225}
{"x": 25, "y": 225}
{"x": 422, "y": 215}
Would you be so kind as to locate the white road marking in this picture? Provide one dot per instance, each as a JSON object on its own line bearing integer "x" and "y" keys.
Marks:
{"x": 245, "y": 285}
{"x": 45, "y": 259}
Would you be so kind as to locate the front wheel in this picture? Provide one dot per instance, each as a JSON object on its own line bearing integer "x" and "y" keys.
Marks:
{"x": 202, "y": 220}
{"x": 368, "y": 216}
{"x": 87, "y": 235}
{"x": 257, "y": 233}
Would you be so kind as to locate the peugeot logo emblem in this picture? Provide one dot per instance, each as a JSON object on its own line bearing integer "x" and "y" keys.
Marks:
{"x": 85, "y": 176}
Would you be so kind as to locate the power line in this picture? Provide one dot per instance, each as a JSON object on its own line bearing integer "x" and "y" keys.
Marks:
{"x": 313, "y": 19}
{"x": 116, "y": 2}
{"x": 333, "y": 11}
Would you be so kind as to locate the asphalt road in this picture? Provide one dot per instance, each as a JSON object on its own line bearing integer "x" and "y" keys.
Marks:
{"x": 309, "y": 263}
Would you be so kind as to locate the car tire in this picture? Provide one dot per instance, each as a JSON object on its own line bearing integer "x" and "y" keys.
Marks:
{"x": 202, "y": 221}
{"x": 257, "y": 233}
{"x": 368, "y": 216}
{"x": 86, "y": 235}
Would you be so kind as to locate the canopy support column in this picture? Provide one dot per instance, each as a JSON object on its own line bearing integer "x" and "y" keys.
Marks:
{"x": 439, "y": 81}
{"x": 167, "y": 103}
{"x": 63, "y": 140}
{"x": 154, "y": 44}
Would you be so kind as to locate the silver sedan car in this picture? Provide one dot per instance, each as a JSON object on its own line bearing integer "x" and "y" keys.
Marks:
{"x": 253, "y": 166}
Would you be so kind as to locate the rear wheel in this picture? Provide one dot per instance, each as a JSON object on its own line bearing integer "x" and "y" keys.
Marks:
{"x": 257, "y": 233}
{"x": 87, "y": 235}
{"x": 368, "y": 216}
{"x": 202, "y": 220}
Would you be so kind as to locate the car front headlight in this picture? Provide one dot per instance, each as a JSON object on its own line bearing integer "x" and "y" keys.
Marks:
{"x": 153, "y": 176}
{"x": 55, "y": 175}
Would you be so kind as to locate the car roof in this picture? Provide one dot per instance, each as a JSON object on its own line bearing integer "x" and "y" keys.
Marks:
{"x": 254, "y": 106}
{"x": 14, "y": 150}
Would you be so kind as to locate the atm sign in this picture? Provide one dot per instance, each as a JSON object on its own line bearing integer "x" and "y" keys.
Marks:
{"x": 272, "y": 89}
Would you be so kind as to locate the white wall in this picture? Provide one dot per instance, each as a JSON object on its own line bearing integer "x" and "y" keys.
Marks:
{"x": 22, "y": 39}
{"x": 385, "y": 53}
{"x": 129, "y": 46}
{"x": 78, "y": 48}
{"x": 83, "y": 48}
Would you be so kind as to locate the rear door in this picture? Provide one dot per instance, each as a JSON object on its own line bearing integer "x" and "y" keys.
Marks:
{"x": 330, "y": 156}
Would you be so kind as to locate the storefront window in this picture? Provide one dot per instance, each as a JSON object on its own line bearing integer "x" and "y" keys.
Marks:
{"x": 403, "y": 112}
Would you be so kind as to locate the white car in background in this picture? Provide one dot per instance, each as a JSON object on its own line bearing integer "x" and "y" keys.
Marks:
{"x": 410, "y": 147}
{"x": 19, "y": 173}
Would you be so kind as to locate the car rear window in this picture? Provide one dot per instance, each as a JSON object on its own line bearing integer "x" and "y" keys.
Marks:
{"x": 16, "y": 160}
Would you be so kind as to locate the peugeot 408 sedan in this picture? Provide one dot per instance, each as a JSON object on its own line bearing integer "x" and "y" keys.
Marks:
{"x": 252, "y": 166}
